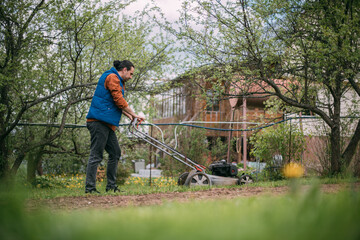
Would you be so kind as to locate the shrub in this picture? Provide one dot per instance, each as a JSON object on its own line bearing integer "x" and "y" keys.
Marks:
{"x": 123, "y": 172}
{"x": 193, "y": 144}
{"x": 219, "y": 149}
{"x": 276, "y": 146}
{"x": 282, "y": 140}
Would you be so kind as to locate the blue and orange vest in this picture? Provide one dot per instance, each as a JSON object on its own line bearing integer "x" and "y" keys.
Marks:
{"x": 103, "y": 107}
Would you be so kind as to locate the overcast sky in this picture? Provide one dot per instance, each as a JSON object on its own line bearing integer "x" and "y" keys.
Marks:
{"x": 169, "y": 7}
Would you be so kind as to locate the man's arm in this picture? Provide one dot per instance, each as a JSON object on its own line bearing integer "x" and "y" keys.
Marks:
{"x": 130, "y": 112}
{"x": 128, "y": 115}
{"x": 112, "y": 83}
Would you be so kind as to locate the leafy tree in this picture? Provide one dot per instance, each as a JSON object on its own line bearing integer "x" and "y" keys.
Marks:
{"x": 19, "y": 39}
{"x": 304, "y": 52}
{"x": 39, "y": 76}
{"x": 49, "y": 69}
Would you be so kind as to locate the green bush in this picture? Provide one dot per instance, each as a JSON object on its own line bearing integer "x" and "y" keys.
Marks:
{"x": 219, "y": 149}
{"x": 63, "y": 164}
{"x": 123, "y": 172}
{"x": 45, "y": 181}
{"x": 285, "y": 140}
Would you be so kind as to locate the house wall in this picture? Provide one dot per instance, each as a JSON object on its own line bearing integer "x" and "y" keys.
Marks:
{"x": 314, "y": 129}
{"x": 196, "y": 110}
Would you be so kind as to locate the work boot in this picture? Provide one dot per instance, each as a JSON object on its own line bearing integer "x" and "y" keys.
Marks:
{"x": 92, "y": 191}
{"x": 115, "y": 189}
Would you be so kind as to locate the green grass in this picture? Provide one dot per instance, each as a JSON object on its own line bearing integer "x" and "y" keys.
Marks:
{"x": 60, "y": 186}
{"x": 73, "y": 185}
{"x": 312, "y": 215}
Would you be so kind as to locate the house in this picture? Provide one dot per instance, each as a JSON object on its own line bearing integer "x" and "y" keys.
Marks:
{"x": 198, "y": 104}
{"x": 243, "y": 107}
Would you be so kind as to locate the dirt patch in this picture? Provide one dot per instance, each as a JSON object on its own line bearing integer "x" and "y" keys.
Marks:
{"x": 111, "y": 201}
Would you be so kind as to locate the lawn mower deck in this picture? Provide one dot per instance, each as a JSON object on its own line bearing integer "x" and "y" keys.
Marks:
{"x": 223, "y": 173}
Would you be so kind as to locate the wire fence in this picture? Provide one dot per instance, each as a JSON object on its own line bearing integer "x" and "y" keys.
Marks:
{"x": 266, "y": 125}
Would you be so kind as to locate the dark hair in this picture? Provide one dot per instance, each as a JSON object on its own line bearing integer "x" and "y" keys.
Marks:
{"x": 119, "y": 65}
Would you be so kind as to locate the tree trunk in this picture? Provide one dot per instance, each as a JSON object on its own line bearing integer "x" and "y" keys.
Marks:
{"x": 19, "y": 159}
{"x": 39, "y": 169}
{"x": 4, "y": 163}
{"x": 31, "y": 169}
{"x": 33, "y": 162}
{"x": 335, "y": 165}
{"x": 4, "y": 151}
{"x": 335, "y": 135}
{"x": 351, "y": 148}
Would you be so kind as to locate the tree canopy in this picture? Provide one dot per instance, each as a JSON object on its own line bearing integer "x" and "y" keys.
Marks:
{"x": 51, "y": 56}
{"x": 312, "y": 45}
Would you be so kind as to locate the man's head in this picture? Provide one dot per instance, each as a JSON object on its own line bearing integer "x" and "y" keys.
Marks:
{"x": 125, "y": 69}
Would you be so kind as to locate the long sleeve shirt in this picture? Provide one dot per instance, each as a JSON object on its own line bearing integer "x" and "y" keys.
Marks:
{"x": 112, "y": 83}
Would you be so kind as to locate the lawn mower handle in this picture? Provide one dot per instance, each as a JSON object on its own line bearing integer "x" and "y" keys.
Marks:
{"x": 133, "y": 129}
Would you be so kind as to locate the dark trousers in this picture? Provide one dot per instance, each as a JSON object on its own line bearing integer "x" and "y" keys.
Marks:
{"x": 102, "y": 137}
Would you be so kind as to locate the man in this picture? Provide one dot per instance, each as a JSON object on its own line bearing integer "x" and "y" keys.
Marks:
{"x": 107, "y": 106}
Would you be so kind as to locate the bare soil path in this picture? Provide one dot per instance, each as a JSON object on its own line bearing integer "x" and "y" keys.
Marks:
{"x": 111, "y": 201}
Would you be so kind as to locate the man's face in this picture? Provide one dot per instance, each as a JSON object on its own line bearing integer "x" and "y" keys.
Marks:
{"x": 127, "y": 74}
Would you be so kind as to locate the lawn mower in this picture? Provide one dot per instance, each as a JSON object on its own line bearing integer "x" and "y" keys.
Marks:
{"x": 223, "y": 173}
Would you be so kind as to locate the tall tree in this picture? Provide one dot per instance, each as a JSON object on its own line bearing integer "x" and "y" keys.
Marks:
{"x": 19, "y": 38}
{"x": 52, "y": 71}
{"x": 314, "y": 45}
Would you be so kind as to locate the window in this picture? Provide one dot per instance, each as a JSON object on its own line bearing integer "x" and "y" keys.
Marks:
{"x": 171, "y": 103}
{"x": 212, "y": 101}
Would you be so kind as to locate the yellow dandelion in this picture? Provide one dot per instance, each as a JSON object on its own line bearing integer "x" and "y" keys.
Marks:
{"x": 293, "y": 170}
